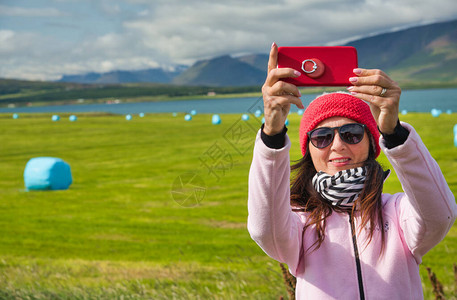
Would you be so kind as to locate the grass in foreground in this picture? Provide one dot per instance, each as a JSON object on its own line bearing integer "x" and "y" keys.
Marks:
{"x": 119, "y": 233}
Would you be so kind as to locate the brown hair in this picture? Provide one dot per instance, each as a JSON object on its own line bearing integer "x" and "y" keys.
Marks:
{"x": 304, "y": 197}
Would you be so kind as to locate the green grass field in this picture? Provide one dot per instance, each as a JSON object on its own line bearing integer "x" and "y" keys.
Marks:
{"x": 124, "y": 229}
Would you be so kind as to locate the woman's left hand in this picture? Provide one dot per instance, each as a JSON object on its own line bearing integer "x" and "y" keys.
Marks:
{"x": 383, "y": 94}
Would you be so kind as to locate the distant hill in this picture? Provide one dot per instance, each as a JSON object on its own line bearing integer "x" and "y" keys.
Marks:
{"x": 221, "y": 71}
{"x": 258, "y": 61}
{"x": 22, "y": 92}
{"x": 424, "y": 53}
{"x": 156, "y": 75}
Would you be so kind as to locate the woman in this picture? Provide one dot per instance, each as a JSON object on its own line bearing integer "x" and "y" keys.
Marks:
{"x": 340, "y": 236}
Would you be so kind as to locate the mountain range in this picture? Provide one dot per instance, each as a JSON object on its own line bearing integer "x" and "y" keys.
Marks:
{"x": 156, "y": 75}
{"x": 426, "y": 53}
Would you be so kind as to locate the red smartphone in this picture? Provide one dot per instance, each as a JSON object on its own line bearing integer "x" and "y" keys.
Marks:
{"x": 319, "y": 66}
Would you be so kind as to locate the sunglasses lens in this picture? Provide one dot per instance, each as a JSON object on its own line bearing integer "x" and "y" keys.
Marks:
{"x": 321, "y": 137}
{"x": 352, "y": 133}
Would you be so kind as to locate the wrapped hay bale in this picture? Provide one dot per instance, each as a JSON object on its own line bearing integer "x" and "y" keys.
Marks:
{"x": 47, "y": 173}
{"x": 216, "y": 120}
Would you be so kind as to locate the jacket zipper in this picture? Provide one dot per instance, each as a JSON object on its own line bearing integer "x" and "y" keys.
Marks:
{"x": 357, "y": 259}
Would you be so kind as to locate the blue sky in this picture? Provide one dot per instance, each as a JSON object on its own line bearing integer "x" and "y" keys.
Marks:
{"x": 44, "y": 39}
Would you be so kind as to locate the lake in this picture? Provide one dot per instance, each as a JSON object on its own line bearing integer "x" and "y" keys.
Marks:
{"x": 412, "y": 101}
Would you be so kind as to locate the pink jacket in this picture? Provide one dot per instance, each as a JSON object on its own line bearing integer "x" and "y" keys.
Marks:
{"x": 414, "y": 221}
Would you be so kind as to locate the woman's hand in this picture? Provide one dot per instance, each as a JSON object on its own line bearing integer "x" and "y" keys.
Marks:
{"x": 383, "y": 94}
{"x": 278, "y": 95}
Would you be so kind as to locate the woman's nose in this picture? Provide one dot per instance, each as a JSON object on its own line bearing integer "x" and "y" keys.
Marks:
{"x": 337, "y": 143}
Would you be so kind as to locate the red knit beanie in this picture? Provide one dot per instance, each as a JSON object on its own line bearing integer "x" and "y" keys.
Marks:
{"x": 337, "y": 104}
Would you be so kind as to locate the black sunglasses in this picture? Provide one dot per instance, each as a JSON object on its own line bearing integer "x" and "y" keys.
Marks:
{"x": 349, "y": 133}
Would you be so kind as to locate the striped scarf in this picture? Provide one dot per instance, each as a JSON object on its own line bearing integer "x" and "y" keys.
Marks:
{"x": 341, "y": 189}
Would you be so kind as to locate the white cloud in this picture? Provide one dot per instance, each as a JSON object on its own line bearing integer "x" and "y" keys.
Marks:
{"x": 14, "y": 11}
{"x": 106, "y": 53}
{"x": 144, "y": 13}
{"x": 5, "y": 36}
{"x": 16, "y": 45}
{"x": 110, "y": 8}
{"x": 28, "y": 55}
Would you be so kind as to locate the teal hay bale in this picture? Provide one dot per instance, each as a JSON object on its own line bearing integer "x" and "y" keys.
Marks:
{"x": 188, "y": 117}
{"x": 193, "y": 112}
{"x": 55, "y": 118}
{"x": 263, "y": 120}
{"x": 258, "y": 113}
{"x": 47, "y": 173}
{"x": 174, "y": 114}
{"x": 300, "y": 112}
{"x": 141, "y": 115}
{"x": 73, "y": 118}
{"x": 404, "y": 112}
{"x": 287, "y": 122}
{"x": 455, "y": 139}
{"x": 455, "y": 129}
{"x": 435, "y": 112}
{"x": 128, "y": 117}
{"x": 245, "y": 117}
{"x": 15, "y": 116}
{"x": 216, "y": 120}
{"x": 449, "y": 112}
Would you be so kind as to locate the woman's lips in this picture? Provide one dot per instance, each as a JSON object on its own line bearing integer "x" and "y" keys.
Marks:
{"x": 338, "y": 162}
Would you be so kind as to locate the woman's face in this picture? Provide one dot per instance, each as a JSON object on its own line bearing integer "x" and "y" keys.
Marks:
{"x": 339, "y": 155}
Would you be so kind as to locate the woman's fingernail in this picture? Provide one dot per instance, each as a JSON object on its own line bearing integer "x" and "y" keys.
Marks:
{"x": 353, "y": 93}
{"x": 296, "y": 73}
{"x": 350, "y": 88}
{"x": 272, "y": 45}
{"x": 357, "y": 71}
{"x": 353, "y": 79}
{"x": 299, "y": 94}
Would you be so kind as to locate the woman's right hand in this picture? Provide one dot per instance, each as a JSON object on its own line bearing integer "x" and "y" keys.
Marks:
{"x": 278, "y": 95}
